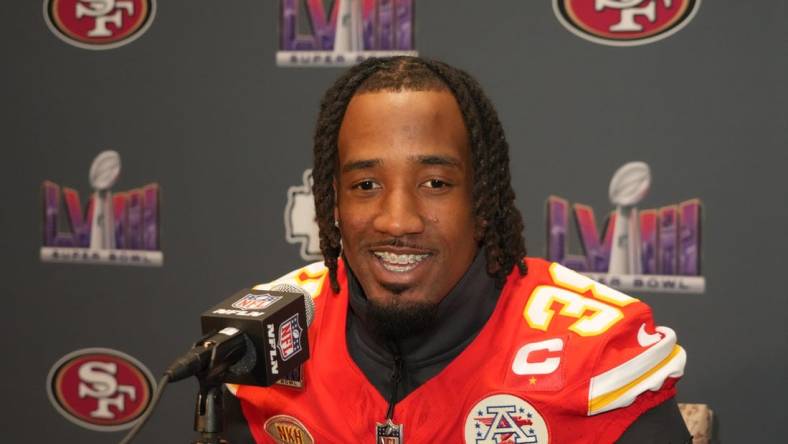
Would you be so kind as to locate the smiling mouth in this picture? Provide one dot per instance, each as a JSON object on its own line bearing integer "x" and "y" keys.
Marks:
{"x": 400, "y": 263}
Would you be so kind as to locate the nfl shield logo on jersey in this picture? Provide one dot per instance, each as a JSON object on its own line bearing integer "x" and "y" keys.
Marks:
{"x": 388, "y": 433}
{"x": 504, "y": 418}
{"x": 289, "y": 337}
{"x": 256, "y": 301}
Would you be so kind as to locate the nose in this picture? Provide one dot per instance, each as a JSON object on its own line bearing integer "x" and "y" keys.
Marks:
{"x": 399, "y": 214}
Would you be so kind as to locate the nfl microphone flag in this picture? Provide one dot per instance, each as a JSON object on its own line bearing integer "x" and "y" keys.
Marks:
{"x": 275, "y": 323}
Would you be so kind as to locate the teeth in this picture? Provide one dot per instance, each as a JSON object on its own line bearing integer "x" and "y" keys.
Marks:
{"x": 400, "y": 259}
{"x": 400, "y": 262}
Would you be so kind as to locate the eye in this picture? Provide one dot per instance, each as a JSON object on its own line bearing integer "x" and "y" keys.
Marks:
{"x": 366, "y": 185}
{"x": 436, "y": 184}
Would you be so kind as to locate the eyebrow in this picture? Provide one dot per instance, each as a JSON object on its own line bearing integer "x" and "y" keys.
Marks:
{"x": 438, "y": 160}
{"x": 360, "y": 165}
{"x": 424, "y": 160}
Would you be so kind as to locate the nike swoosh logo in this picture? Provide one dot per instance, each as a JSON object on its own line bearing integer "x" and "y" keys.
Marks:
{"x": 645, "y": 339}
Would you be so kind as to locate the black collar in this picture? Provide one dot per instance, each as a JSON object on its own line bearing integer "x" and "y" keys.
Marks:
{"x": 461, "y": 315}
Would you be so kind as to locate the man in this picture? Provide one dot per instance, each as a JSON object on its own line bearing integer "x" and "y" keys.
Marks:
{"x": 430, "y": 324}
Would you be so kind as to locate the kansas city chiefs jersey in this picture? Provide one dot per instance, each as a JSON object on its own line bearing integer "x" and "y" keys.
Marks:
{"x": 562, "y": 359}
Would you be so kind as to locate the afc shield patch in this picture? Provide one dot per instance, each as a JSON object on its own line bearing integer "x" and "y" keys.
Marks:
{"x": 285, "y": 429}
{"x": 505, "y": 418}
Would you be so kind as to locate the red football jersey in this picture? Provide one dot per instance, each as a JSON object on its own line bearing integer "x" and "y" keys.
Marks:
{"x": 562, "y": 359}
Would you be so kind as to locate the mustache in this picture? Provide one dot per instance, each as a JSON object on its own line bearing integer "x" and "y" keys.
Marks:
{"x": 398, "y": 242}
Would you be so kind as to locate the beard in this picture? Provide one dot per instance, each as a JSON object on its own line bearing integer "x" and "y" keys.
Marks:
{"x": 395, "y": 321}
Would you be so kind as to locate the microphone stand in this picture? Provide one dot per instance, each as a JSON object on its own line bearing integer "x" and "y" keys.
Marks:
{"x": 209, "y": 411}
{"x": 209, "y": 407}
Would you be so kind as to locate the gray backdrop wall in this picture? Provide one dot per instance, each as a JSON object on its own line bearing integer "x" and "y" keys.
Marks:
{"x": 198, "y": 105}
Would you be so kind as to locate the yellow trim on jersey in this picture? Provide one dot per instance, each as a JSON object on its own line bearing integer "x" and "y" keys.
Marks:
{"x": 598, "y": 403}
{"x": 233, "y": 388}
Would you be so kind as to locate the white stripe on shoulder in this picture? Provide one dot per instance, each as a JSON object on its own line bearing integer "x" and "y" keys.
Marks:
{"x": 619, "y": 386}
{"x": 672, "y": 367}
{"x": 232, "y": 388}
{"x": 310, "y": 278}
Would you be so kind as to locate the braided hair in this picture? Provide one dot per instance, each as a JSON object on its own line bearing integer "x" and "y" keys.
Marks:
{"x": 499, "y": 225}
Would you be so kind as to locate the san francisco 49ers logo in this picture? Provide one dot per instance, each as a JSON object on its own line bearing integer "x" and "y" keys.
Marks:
{"x": 99, "y": 24}
{"x": 100, "y": 389}
{"x": 625, "y": 22}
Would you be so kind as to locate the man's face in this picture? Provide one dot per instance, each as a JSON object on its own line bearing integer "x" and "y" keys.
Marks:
{"x": 403, "y": 187}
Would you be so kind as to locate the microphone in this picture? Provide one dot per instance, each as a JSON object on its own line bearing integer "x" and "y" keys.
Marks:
{"x": 254, "y": 337}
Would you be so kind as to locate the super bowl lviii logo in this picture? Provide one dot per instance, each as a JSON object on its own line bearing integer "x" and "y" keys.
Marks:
{"x": 114, "y": 228}
{"x": 100, "y": 389}
{"x": 655, "y": 249}
{"x": 99, "y": 24}
{"x": 624, "y": 22}
{"x": 343, "y": 32}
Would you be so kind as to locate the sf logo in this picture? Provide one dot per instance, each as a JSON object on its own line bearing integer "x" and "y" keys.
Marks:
{"x": 629, "y": 10}
{"x": 98, "y": 380}
{"x": 104, "y": 12}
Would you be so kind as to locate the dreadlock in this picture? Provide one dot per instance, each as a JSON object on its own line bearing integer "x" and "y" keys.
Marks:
{"x": 499, "y": 223}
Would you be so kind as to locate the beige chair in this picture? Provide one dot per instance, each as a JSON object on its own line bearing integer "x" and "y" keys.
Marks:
{"x": 699, "y": 419}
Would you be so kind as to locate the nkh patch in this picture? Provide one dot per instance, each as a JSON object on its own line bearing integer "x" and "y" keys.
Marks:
{"x": 256, "y": 301}
{"x": 285, "y": 429}
{"x": 505, "y": 418}
{"x": 289, "y": 337}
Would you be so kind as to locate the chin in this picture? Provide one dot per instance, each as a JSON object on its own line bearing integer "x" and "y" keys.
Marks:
{"x": 401, "y": 320}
